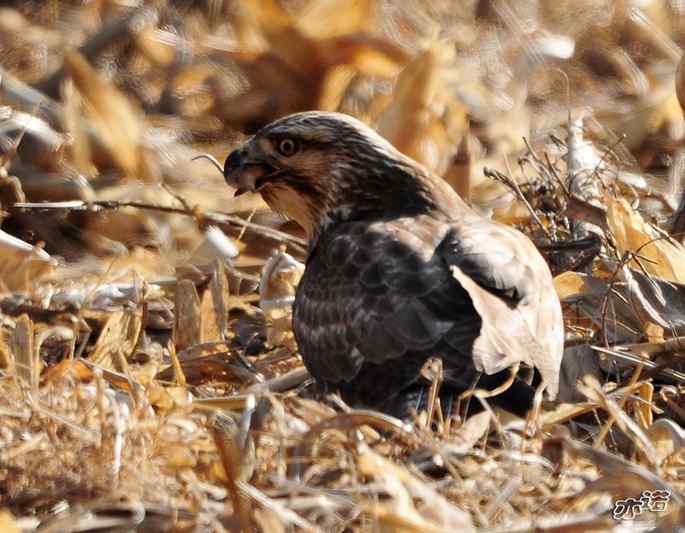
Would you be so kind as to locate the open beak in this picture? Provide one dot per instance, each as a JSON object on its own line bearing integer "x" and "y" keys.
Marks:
{"x": 245, "y": 175}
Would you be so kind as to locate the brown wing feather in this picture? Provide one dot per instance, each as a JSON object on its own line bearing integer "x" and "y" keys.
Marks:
{"x": 376, "y": 292}
{"x": 412, "y": 288}
{"x": 511, "y": 287}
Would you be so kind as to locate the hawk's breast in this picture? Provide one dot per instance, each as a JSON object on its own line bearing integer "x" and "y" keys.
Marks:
{"x": 374, "y": 292}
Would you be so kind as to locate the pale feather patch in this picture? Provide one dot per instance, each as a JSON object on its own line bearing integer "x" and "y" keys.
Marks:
{"x": 290, "y": 204}
{"x": 507, "y": 336}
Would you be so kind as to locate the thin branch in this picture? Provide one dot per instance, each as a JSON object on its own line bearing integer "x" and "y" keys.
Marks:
{"x": 300, "y": 245}
{"x": 511, "y": 183}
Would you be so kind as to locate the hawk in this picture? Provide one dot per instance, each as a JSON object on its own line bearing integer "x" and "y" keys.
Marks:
{"x": 399, "y": 269}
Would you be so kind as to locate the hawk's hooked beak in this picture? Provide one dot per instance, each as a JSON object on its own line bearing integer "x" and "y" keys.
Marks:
{"x": 246, "y": 175}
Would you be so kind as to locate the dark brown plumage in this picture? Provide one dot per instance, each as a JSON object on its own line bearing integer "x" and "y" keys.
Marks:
{"x": 399, "y": 268}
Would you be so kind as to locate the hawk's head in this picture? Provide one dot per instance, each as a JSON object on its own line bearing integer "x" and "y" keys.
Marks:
{"x": 317, "y": 167}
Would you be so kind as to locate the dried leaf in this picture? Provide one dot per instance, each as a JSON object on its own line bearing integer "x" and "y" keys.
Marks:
{"x": 156, "y": 45}
{"x": 664, "y": 258}
{"x": 188, "y": 323}
{"x": 8, "y": 524}
{"x": 21, "y": 264}
{"x": 680, "y": 82}
{"x": 400, "y": 514}
{"x": 470, "y": 432}
{"x": 215, "y": 245}
{"x": 293, "y": 64}
{"x": 578, "y": 362}
{"x": 643, "y": 407}
{"x": 74, "y": 124}
{"x": 67, "y": 367}
{"x": 657, "y": 110}
{"x": 654, "y": 299}
{"x": 6, "y": 358}
{"x": 26, "y": 361}
{"x": 279, "y": 278}
{"x": 569, "y": 284}
{"x": 325, "y": 19}
{"x": 218, "y": 285}
{"x": 118, "y": 123}
{"x": 591, "y": 388}
{"x": 268, "y": 521}
{"x": 458, "y": 173}
{"x": 620, "y": 475}
{"x": 209, "y": 324}
{"x": 668, "y": 439}
{"x": 117, "y": 340}
{"x": 168, "y": 398}
{"x": 179, "y": 457}
{"x": 413, "y": 121}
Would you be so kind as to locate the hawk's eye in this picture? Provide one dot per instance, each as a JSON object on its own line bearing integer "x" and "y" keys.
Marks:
{"x": 287, "y": 147}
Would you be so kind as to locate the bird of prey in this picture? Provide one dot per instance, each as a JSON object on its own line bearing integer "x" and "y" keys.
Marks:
{"x": 399, "y": 269}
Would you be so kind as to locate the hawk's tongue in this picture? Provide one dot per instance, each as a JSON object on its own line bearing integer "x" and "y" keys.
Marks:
{"x": 246, "y": 177}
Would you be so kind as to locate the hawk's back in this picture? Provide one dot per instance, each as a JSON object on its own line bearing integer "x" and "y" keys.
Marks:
{"x": 378, "y": 298}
